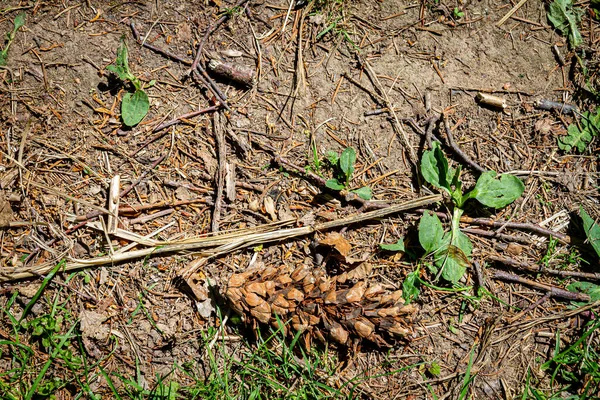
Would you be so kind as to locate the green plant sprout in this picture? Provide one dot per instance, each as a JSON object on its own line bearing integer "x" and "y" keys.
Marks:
{"x": 457, "y": 13}
{"x": 580, "y": 135}
{"x": 451, "y": 250}
{"x": 18, "y": 22}
{"x": 566, "y": 19}
{"x": 134, "y": 106}
{"x": 343, "y": 170}
{"x": 592, "y": 233}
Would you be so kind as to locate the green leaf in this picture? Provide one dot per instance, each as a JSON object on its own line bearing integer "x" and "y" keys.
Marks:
{"x": 347, "y": 161}
{"x": 591, "y": 122}
{"x": 19, "y": 21}
{"x": 575, "y": 139}
{"x": 431, "y": 232}
{"x": 580, "y": 138}
{"x": 398, "y": 246}
{"x": 434, "y": 168}
{"x": 435, "y": 369}
{"x": 565, "y": 18}
{"x": 455, "y": 258}
{"x": 586, "y": 287}
{"x": 134, "y": 107}
{"x": 364, "y": 193}
{"x": 121, "y": 65}
{"x": 410, "y": 287}
{"x": 334, "y": 184}
{"x": 3, "y": 57}
{"x": 592, "y": 230}
{"x": 496, "y": 191}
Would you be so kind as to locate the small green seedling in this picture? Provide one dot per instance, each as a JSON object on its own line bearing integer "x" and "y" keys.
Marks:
{"x": 566, "y": 19}
{"x": 592, "y": 233}
{"x": 135, "y": 105}
{"x": 451, "y": 250}
{"x": 10, "y": 36}
{"x": 579, "y": 136}
{"x": 344, "y": 169}
{"x": 457, "y": 13}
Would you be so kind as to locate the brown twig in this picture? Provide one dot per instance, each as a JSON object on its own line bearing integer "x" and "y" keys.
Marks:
{"x": 457, "y": 149}
{"x": 170, "y": 123}
{"x": 205, "y": 80}
{"x": 539, "y": 269}
{"x": 210, "y": 30}
{"x": 155, "y": 49}
{"x": 135, "y": 210}
{"x": 553, "y": 290}
{"x": 496, "y": 235}
{"x": 220, "y": 177}
{"x": 549, "y": 105}
{"x": 561, "y": 237}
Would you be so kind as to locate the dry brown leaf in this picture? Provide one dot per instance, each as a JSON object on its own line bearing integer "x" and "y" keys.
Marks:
{"x": 270, "y": 207}
{"x": 338, "y": 242}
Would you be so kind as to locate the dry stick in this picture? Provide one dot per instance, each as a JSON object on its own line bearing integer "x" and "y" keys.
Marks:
{"x": 220, "y": 177}
{"x": 561, "y": 237}
{"x": 220, "y": 244}
{"x": 537, "y": 269}
{"x": 211, "y": 86}
{"x": 524, "y": 226}
{"x": 206, "y": 81}
{"x": 170, "y": 123}
{"x": 531, "y": 307}
{"x": 457, "y": 149}
{"x": 396, "y": 122}
{"x": 123, "y": 193}
{"x": 553, "y": 290}
{"x": 155, "y": 49}
{"x": 495, "y": 235}
{"x": 510, "y": 13}
{"x": 549, "y": 105}
{"x": 126, "y": 210}
{"x": 348, "y": 196}
{"x": 210, "y": 30}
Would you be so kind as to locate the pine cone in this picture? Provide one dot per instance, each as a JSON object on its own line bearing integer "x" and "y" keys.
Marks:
{"x": 342, "y": 308}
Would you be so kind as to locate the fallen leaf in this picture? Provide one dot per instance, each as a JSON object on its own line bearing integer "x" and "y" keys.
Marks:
{"x": 338, "y": 242}
{"x": 91, "y": 325}
{"x": 270, "y": 207}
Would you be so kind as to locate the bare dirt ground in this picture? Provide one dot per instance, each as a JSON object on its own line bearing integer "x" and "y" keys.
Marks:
{"x": 325, "y": 77}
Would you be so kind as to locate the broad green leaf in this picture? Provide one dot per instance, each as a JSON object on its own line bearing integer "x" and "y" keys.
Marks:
{"x": 591, "y": 122}
{"x": 586, "y": 287}
{"x": 334, "y": 184}
{"x": 434, "y": 168}
{"x": 579, "y": 139}
{"x": 134, "y": 107}
{"x": 364, "y": 193}
{"x": 410, "y": 287}
{"x": 431, "y": 232}
{"x": 566, "y": 19}
{"x": 19, "y": 21}
{"x": 496, "y": 191}
{"x": 398, "y": 246}
{"x": 454, "y": 259}
{"x": 575, "y": 139}
{"x": 592, "y": 230}
{"x": 347, "y": 161}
